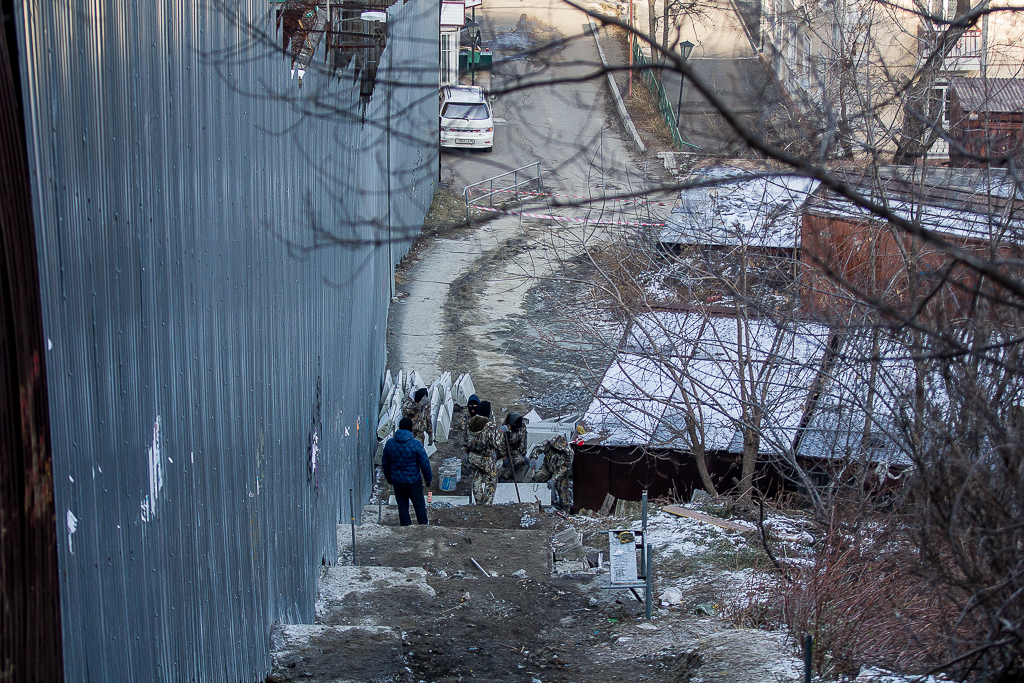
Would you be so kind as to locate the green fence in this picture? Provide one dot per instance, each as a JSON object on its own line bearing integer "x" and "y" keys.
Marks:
{"x": 644, "y": 66}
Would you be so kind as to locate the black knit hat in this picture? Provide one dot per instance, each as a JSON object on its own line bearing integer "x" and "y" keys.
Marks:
{"x": 420, "y": 393}
{"x": 405, "y": 423}
{"x": 484, "y": 409}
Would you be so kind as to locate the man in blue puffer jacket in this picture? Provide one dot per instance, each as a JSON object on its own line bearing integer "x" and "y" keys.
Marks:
{"x": 403, "y": 461}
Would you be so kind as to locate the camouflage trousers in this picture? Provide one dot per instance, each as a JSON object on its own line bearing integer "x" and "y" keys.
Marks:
{"x": 561, "y": 492}
{"x": 484, "y": 486}
{"x": 484, "y": 471}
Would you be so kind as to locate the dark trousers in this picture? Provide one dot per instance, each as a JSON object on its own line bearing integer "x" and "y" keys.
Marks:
{"x": 410, "y": 492}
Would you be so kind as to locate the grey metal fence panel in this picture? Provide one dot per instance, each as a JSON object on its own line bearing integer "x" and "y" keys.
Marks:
{"x": 216, "y": 248}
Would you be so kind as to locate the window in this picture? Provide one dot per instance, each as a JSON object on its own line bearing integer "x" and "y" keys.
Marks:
{"x": 446, "y": 58}
{"x": 938, "y": 105}
{"x": 469, "y": 112}
{"x": 806, "y": 61}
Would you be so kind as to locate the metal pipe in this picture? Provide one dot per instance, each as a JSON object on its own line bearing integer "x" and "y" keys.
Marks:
{"x": 808, "y": 650}
{"x": 645, "y": 556}
{"x": 352, "y": 510}
{"x": 482, "y": 570}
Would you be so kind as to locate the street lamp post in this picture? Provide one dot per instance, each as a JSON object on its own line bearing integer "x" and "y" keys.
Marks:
{"x": 685, "y": 48}
{"x": 473, "y": 29}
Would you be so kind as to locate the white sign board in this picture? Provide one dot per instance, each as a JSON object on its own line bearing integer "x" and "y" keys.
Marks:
{"x": 622, "y": 557}
{"x": 453, "y": 14}
{"x": 474, "y": 3}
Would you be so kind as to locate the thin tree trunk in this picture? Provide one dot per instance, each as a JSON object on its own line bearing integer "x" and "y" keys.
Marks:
{"x": 751, "y": 444}
{"x": 699, "y": 456}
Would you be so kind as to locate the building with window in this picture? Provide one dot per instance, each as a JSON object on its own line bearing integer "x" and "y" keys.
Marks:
{"x": 453, "y": 18}
{"x": 857, "y": 66}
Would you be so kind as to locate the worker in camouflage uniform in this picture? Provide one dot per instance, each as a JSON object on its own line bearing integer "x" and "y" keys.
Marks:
{"x": 513, "y": 446}
{"x": 481, "y": 444}
{"x": 460, "y": 423}
{"x": 417, "y": 409}
{"x": 556, "y": 469}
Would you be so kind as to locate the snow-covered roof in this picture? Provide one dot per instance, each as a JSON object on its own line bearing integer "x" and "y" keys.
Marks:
{"x": 729, "y": 207}
{"x": 944, "y": 220}
{"x": 675, "y": 365}
{"x": 862, "y": 381}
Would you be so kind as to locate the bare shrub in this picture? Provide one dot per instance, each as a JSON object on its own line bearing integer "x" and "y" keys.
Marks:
{"x": 864, "y": 604}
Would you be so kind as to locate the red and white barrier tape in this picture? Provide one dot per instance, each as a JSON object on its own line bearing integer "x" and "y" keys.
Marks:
{"x": 576, "y": 196}
{"x": 566, "y": 219}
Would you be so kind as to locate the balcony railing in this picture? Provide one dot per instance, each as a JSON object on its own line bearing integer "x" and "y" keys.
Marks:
{"x": 964, "y": 55}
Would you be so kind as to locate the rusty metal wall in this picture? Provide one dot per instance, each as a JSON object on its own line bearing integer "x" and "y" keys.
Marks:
{"x": 216, "y": 246}
{"x": 30, "y": 634}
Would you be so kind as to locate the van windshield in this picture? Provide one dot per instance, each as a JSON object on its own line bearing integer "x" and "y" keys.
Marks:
{"x": 470, "y": 112}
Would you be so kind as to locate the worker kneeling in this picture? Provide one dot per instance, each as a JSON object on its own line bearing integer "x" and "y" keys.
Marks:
{"x": 555, "y": 470}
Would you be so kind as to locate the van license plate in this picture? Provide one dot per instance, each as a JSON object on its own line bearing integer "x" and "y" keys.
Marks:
{"x": 462, "y": 141}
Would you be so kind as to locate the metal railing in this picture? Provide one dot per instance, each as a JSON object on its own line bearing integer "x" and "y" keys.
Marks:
{"x": 968, "y": 46}
{"x": 657, "y": 88}
{"x": 501, "y": 188}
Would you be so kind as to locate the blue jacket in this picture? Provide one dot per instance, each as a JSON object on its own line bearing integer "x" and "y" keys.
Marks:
{"x": 404, "y": 459}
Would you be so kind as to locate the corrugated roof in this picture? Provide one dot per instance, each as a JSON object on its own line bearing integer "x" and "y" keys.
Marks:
{"x": 667, "y": 358}
{"x": 995, "y": 95}
{"x": 728, "y": 206}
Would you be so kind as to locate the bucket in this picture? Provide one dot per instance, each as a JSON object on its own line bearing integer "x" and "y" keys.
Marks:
{"x": 453, "y": 462}
{"x": 449, "y": 477}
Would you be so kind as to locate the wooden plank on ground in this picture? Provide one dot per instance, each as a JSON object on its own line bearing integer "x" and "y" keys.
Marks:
{"x": 707, "y": 519}
{"x": 723, "y": 523}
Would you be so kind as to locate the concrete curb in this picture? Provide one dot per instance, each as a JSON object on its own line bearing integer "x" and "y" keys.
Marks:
{"x": 626, "y": 120}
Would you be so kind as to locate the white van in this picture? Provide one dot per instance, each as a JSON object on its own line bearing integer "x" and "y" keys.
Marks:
{"x": 466, "y": 119}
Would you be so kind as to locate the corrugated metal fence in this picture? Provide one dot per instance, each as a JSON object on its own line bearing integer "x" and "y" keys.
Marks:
{"x": 215, "y": 247}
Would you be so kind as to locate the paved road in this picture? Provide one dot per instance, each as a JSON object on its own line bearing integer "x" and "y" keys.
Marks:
{"x": 465, "y": 307}
{"x": 562, "y": 125}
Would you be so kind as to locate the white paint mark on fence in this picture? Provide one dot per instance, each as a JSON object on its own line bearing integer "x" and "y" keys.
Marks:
{"x": 72, "y": 527}
{"x": 156, "y": 475}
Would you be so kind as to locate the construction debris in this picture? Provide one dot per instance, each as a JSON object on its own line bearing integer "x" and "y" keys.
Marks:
{"x": 568, "y": 545}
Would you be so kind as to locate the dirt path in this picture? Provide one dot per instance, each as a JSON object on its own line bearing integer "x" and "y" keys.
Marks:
{"x": 490, "y": 299}
{"x": 416, "y": 608}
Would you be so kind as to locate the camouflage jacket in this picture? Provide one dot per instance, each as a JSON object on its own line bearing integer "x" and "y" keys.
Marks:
{"x": 481, "y": 443}
{"x": 516, "y": 445}
{"x": 467, "y": 433}
{"x": 557, "y": 459}
{"x": 419, "y": 413}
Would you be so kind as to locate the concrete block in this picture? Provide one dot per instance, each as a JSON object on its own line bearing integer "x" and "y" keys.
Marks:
{"x": 530, "y": 493}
